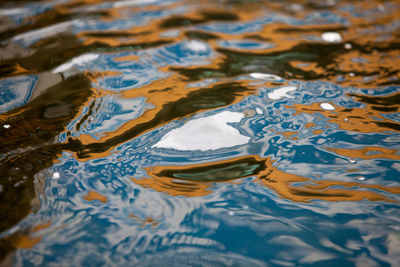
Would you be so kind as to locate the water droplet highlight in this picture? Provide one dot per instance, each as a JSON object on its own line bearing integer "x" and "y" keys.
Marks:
{"x": 348, "y": 46}
{"x": 331, "y": 37}
{"x": 265, "y": 76}
{"x": 196, "y": 46}
{"x": 56, "y": 176}
{"x": 327, "y": 106}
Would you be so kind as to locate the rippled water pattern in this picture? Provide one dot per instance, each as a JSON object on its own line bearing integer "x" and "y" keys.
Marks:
{"x": 199, "y": 133}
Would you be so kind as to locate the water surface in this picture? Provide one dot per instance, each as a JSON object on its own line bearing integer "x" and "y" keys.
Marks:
{"x": 199, "y": 133}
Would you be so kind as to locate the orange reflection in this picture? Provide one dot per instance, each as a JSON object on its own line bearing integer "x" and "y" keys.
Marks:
{"x": 27, "y": 241}
{"x": 197, "y": 180}
{"x": 173, "y": 187}
{"x": 94, "y": 76}
{"x": 317, "y": 132}
{"x": 41, "y": 226}
{"x": 92, "y": 196}
{"x": 364, "y": 120}
{"x": 286, "y": 38}
{"x": 379, "y": 64}
{"x": 127, "y": 58}
{"x": 289, "y": 134}
{"x": 368, "y": 152}
{"x": 147, "y": 221}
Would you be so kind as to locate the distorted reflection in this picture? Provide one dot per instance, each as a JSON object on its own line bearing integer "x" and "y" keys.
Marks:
{"x": 281, "y": 92}
{"x": 366, "y": 120}
{"x": 150, "y": 132}
{"x": 194, "y": 181}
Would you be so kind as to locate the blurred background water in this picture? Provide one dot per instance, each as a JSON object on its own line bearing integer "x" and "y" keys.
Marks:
{"x": 199, "y": 133}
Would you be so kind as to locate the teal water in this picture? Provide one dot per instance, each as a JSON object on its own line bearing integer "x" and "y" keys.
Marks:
{"x": 199, "y": 133}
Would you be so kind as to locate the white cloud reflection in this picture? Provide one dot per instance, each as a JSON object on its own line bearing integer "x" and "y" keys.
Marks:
{"x": 206, "y": 133}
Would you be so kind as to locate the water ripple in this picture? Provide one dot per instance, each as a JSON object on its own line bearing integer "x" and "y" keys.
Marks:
{"x": 226, "y": 133}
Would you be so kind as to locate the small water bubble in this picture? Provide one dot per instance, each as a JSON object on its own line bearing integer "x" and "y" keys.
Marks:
{"x": 361, "y": 178}
{"x": 259, "y": 111}
{"x": 348, "y": 46}
{"x": 231, "y": 213}
{"x": 351, "y": 74}
{"x": 352, "y": 161}
{"x": 346, "y": 120}
{"x": 56, "y": 175}
{"x": 245, "y": 207}
{"x": 6, "y": 126}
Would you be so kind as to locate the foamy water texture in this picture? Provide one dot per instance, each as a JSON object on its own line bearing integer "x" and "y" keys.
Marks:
{"x": 199, "y": 133}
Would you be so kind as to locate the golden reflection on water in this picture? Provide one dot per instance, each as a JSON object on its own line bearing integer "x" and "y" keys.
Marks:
{"x": 92, "y": 196}
{"x": 28, "y": 241}
{"x": 145, "y": 222}
{"x": 364, "y": 120}
{"x": 378, "y": 64}
{"x": 368, "y": 152}
{"x": 197, "y": 180}
{"x": 25, "y": 239}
